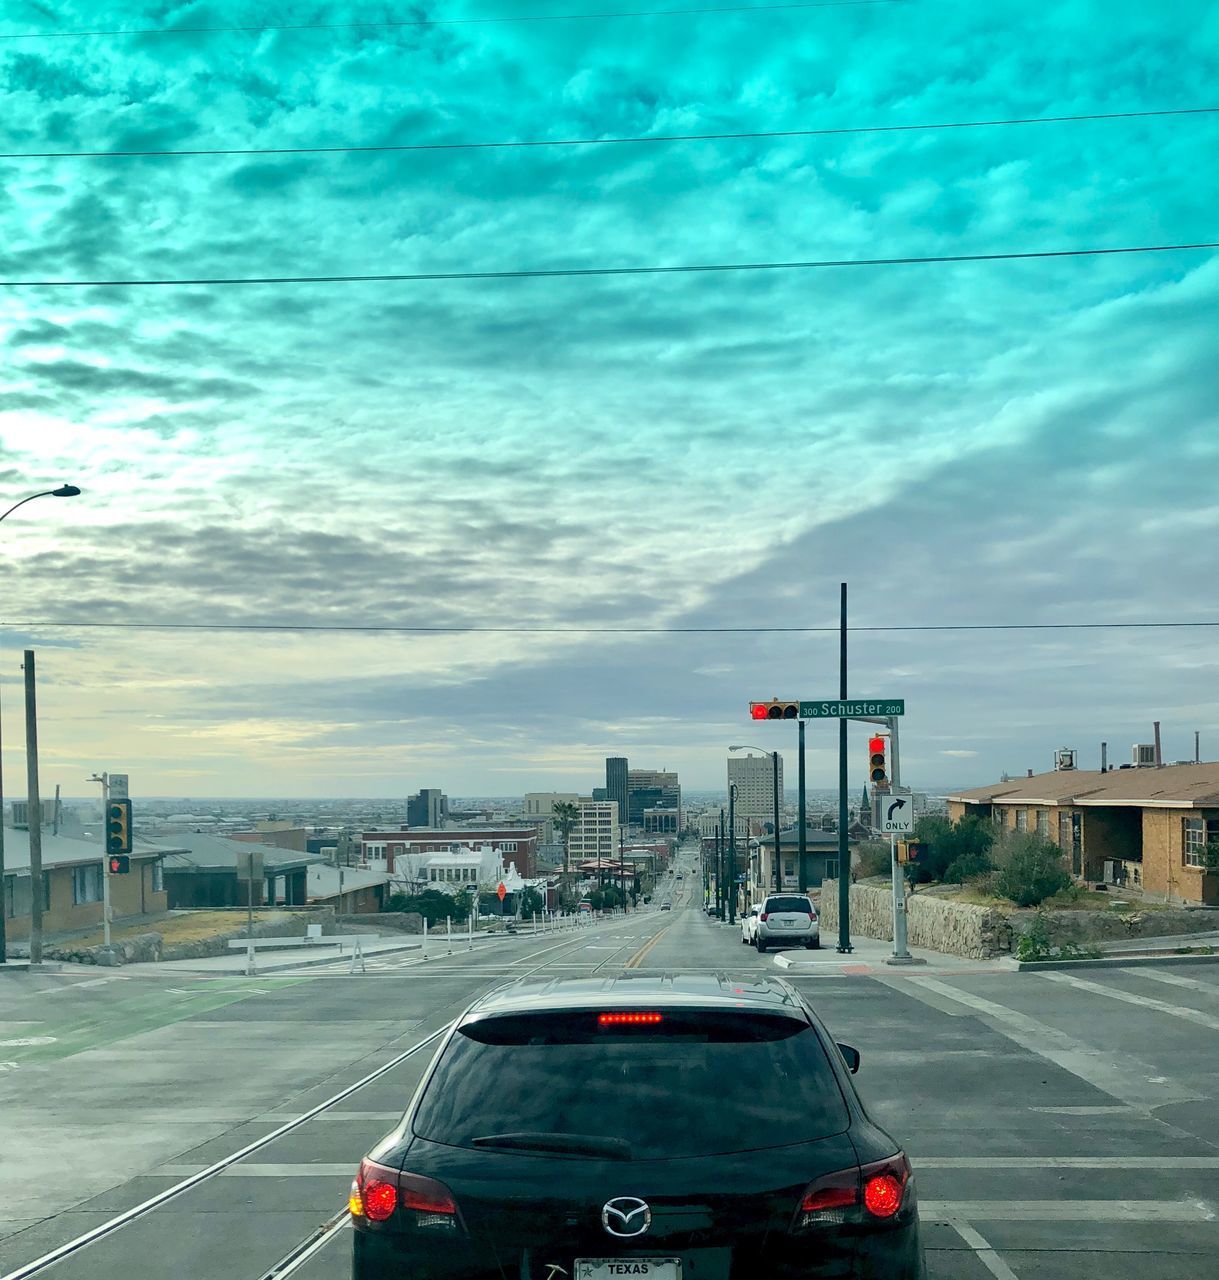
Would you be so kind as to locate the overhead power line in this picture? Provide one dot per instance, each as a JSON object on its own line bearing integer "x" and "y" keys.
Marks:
{"x": 759, "y": 134}
{"x": 573, "y": 272}
{"x": 456, "y": 629}
{"x": 448, "y": 22}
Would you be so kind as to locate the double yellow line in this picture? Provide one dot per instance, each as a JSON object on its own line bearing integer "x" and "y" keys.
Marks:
{"x": 638, "y": 958}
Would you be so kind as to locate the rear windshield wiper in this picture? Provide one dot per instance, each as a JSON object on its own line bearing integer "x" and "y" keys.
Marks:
{"x": 565, "y": 1143}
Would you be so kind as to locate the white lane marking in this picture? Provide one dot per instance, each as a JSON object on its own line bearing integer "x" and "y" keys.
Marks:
{"x": 1082, "y": 1111}
{"x": 1068, "y": 1210}
{"x": 92, "y": 982}
{"x": 8, "y": 1066}
{"x": 1174, "y": 980}
{"x": 1207, "y": 1020}
{"x": 1121, "y": 1076}
{"x": 982, "y": 1248}
{"x": 346, "y": 1169}
{"x": 1065, "y": 1162}
{"x": 24, "y": 1042}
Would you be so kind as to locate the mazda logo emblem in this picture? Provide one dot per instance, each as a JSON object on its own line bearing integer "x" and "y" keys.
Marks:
{"x": 626, "y": 1217}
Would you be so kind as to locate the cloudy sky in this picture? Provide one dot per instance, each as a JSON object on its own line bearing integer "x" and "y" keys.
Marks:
{"x": 969, "y": 443}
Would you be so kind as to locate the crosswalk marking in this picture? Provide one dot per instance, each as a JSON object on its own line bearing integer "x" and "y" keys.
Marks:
{"x": 1147, "y": 1002}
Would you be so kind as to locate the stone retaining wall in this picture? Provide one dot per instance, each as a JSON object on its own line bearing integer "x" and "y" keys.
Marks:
{"x": 374, "y": 921}
{"x": 962, "y": 929}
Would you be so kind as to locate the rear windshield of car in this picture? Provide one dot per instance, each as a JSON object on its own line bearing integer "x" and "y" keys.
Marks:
{"x": 803, "y": 905}
{"x": 692, "y": 1084}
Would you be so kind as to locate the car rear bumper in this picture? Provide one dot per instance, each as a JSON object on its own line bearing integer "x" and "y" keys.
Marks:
{"x": 887, "y": 1255}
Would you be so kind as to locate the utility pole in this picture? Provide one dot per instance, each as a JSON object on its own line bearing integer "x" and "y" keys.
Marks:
{"x": 721, "y": 905}
{"x": 802, "y": 818}
{"x": 844, "y": 852}
{"x": 35, "y": 806}
{"x": 104, "y": 779}
{"x": 732, "y": 853}
{"x": 774, "y": 767}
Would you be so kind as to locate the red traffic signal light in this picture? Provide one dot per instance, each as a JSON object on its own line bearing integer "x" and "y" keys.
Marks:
{"x": 878, "y": 773}
{"x": 120, "y": 864}
{"x": 775, "y": 709}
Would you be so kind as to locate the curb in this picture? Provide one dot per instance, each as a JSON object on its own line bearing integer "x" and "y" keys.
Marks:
{"x": 1114, "y": 962}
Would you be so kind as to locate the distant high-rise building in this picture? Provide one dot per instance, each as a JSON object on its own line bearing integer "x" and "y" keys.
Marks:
{"x": 596, "y": 835}
{"x": 651, "y": 789}
{"x": 617, "y": 776}
{"x": 755, "y": 785}
{"x": 427, "y": 809}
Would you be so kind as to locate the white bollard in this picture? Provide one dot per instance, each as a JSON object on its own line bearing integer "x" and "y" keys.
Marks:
{"x": 470, "y": 946}
{"x": 425, "y": 955}
{"x": 448, "y": 932}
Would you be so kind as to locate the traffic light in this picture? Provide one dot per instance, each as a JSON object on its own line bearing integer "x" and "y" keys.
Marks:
{"x": 775, "y": 709}
{"x": 118, "y": 827}
{"x": 915, "y": 850}
{"x": 120, "y": 864}
{"x": 878, "y": 770}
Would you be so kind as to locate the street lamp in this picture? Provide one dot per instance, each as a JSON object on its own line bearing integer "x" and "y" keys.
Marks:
{"x": 774, "y": 760}
{"x": 64, "y": 491}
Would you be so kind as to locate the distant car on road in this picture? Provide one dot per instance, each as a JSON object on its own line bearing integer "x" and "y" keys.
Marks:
{"x": 787, "y": 919}
{"x": 666, "y": 906}
{"x": 749, "y": 924}
{"x": 509, "y": 1163}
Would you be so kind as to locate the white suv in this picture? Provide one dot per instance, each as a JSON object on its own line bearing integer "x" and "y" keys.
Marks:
{"x": 787, "y": 919}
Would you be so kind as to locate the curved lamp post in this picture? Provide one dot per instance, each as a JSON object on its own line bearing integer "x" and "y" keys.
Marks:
{"x": 64, "y": 491}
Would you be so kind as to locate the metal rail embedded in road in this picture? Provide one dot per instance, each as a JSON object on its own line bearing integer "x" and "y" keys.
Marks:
{"x": 121, "y": 1220}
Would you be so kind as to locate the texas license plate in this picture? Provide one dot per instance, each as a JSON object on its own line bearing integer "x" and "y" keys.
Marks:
{"x": 612, "y": 1268}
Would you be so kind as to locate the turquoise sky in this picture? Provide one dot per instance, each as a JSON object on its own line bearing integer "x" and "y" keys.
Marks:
{"x": 964, "y": 443}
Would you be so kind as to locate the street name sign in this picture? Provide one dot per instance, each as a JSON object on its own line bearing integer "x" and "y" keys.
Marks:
{"x": 893, "y": 812}
{"x": 117, "y": 784}
{"x": 825, "y": 708}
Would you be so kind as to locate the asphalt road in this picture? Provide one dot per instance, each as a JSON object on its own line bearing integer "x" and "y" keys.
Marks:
{"x": 1059, "y": 1125}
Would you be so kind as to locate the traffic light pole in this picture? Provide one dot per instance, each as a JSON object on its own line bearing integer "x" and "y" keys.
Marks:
{"x": 35, "y": 807}
{"x": 774, "y": 765}
{"x": 732, "y": 853}
{"x": 844, "y": 851}
{"x": 802, "y": 818}
{"x": 104, "y": 779}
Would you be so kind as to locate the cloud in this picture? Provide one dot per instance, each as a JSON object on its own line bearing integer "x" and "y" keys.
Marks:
{"x": 965, "y": 443}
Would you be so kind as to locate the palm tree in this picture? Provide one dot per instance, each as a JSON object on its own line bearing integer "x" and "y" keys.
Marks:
{"x": 566, "y": 816}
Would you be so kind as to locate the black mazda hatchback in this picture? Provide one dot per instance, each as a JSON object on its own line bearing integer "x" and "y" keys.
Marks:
{"x": 678, "y": 1128}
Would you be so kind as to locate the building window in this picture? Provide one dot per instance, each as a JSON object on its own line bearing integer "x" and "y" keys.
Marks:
{"x": 831, "y": 868}
{"x": 1043, "y": 822}
{"x": 1022, "y": 819}
{"x": 158, "y": 876}
{"x": 1064, "y": 831}
{"x": 86, "y": 884}
{"x": 1195, "y": 841}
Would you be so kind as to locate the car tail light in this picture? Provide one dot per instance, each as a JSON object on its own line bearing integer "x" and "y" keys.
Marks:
{"x": 764, "y": 916}
{"x": 875, "y": 1192}
{"x": 628, "y": 1019}
{"x": 378, "y": 1192}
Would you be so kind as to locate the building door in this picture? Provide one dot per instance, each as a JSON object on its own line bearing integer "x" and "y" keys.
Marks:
{"x": 1077, "y": 845}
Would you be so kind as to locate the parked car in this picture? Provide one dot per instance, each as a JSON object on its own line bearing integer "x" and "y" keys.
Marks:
{"x": 749, "y": 924}
{"x": 509, "y": 1163}
{"x": 666, "y": 906}
{"x": 787, "y": 919}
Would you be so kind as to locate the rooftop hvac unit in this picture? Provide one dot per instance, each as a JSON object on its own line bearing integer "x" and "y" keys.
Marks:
{"x": 1064, "y": 758}
{"x": 1144, "y": 755}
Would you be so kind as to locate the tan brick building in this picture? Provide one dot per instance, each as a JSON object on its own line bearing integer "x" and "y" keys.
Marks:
{"x": 1146, "y": 828}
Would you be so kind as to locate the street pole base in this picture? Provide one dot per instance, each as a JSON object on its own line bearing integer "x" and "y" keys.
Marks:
{"x": 844, "y": 951}
{"x": 904, "y": 960}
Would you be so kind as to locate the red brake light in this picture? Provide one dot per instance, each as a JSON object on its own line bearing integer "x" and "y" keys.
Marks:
{"x": 882, "y": 1197}
{"x": 764, "y": 916}
{"x": 425, "y": 1196}
{"x": 380, "y": 1200}
{"x": 628, "y": 1019}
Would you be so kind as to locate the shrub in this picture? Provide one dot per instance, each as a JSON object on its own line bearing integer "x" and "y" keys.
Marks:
{"x": 1030, "y": 870}
{"x": 1035, "y": 944}
{"x": 873, "y": 858}
{"x": 969, "y": 866}
{"x": 434, "y": 905}
{"x": 971, "y": 838}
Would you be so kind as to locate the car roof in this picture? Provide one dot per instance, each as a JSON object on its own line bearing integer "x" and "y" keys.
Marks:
{"x": 658, "y": 991}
